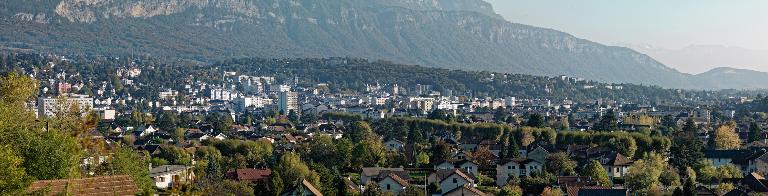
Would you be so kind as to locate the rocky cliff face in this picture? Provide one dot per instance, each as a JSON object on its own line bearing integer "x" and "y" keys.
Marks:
{"x": 456, "y": 34}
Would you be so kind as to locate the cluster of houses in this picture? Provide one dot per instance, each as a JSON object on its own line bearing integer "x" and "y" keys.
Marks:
{"x": 243, "y": 94}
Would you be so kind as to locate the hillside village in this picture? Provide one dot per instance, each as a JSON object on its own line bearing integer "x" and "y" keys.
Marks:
{"x": 239, "y": 134}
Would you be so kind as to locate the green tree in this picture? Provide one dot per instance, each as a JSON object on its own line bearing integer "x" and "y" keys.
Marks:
{"x": 166, "y": 121}
{"x": 213, "y": 169}
{"x": 368, "y": 153}
{"x": 597, "y": 172}
{"x": 513, "y": 150}
{"x": 726, "y": 137}
{"x": 293, "y": 171}
{"x": 17, "y": 89}
{"x": 561, "y": 164}
{"x": 276, "y": 183}
{"x": 669, "y": 178}
{"x": 536, "y": 182}
{"x": 221, "y": 122}
{"x": 706, "y": 173}
{"x": 686, "y": 150}
{"x": 755, "y": 131}
{"x": 293, "y": 117}
{"x": 372, "y": 189}
{"x": 175, "y": 155}
{"x": 441, "y": 151}
{"x": 257, "y": 153}
{"x": 422, "y": 159}
{"x": 344, "y": 148}
{"x": 644, "y": 174}
{"x": 536, "y": 120}
{"x": 729, "y": 171}
{"x": 511, "y": 190}
{"x": 126, "y": 161}
{"x": 55, "y": 155}
{"x": 13, "y": 178}
{"x": 362, "y": 131}
{"x": 413, "y": 191}
{"x": 689, "y": 187}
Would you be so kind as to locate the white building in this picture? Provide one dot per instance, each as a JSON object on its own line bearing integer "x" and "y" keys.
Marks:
{"x": 168, "y": 176}
{"x": 50, "y": 106}
{"x": 288, "y": 101}
{"x": 246, "y": 102}
{"x": 515, "y": 168}
{"x": 455, "y": 180}
{"x": 222, "y": 94}
{"x": 279, "y": 88}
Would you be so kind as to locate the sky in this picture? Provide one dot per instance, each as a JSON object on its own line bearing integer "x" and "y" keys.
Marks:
{"x": 671, "y": 24}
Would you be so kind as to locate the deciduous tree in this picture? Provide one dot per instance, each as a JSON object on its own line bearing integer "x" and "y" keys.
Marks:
{"x": 726, "y": 137}
{"x": 597, "y": 172}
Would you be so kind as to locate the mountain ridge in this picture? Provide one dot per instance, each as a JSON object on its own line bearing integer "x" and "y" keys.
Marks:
{"x": 455, "y": 37}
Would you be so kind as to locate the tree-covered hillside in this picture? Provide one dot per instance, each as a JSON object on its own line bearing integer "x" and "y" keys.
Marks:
{"x": 454, "y": 34}
{"x": 345, "y": 74}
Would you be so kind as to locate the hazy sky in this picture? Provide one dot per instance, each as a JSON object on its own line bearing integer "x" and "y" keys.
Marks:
{"x": 671, "y": 24}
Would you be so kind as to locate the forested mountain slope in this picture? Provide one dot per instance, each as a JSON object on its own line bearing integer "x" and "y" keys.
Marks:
{"x": 456, "y": 34}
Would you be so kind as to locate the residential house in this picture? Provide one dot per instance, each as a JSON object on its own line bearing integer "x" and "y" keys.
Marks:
{"x": 393, "y": 183}
{"x": 539, "y": 154}
{"x": 570, "y": 182}
{"x": 460, "y": 155}
{"x": 440, "y": 174}
{"x": 755, "y": 162}
{"x": 394, "y": 145}
{"x": 168, "y": 176}
{"x": 515, "y": 167}
{"x": 375, "y": 174}
{"x": 144, "y": 131}
{"x": 466, "y": 190}
{"x": 470, "y": 167}
{"x": 616, "y": 164}
{"x": 250, "y": 175}
{"x": 457, "y": 179}
{"x": 755, "y": 182}
{"x": 445, "y": 164}
{"x": 723, "y": 157}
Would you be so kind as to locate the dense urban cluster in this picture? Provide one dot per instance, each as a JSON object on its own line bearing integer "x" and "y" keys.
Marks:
{"x": 268, "y": 127}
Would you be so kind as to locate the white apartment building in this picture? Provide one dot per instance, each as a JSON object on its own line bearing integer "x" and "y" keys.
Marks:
{"x": 50, "y": 106}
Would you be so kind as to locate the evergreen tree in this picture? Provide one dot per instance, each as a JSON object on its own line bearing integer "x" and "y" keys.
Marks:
{"x": 213, "y": 170}
{"x": 755, "y": 132}
{"x": 513, "y": 151}
{"x": 689, "y": 187}
{"x": 536, "y": 120}
{"x": 276, "y": 183}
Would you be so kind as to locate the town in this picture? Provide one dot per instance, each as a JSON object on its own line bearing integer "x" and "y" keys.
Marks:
{"x": 233, "y": 133}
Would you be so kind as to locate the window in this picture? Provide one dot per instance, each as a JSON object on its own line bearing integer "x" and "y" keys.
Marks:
{"x": 387, "y": 186}
{"x": 455, "y": 181}
{"x": 161, "y": 179}
{"x": 509, "y": 167}
{"x": 513, "y": 167}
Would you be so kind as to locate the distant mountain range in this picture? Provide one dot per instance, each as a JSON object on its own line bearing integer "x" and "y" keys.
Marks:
{"x": 702, "y": 58}
{"x": 456, "y": 34}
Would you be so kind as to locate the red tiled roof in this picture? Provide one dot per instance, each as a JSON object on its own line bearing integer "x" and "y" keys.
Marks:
{"x": 251, "y": 175}
{"x": 103, "y": 185}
